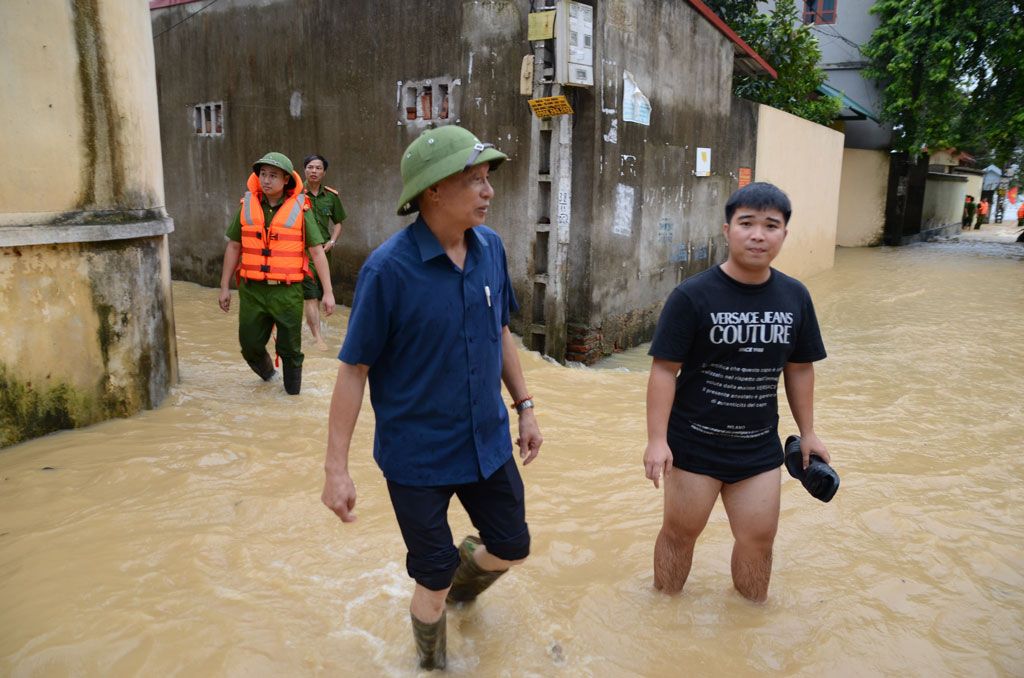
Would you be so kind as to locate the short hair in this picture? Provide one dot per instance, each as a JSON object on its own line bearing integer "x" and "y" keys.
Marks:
{"x": 311, "y": 158}
{"x": 759, "y": 195}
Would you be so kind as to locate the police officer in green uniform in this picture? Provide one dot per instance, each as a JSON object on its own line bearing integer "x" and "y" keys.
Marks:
{"x": 329, "y": 213}
{"x": 266, "y": 303}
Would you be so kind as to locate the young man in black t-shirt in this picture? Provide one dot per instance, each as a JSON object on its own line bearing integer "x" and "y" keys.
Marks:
{"x": 723, "y": 339}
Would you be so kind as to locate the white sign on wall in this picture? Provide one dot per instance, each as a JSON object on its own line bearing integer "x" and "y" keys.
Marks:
{"x": 703, "y": 162}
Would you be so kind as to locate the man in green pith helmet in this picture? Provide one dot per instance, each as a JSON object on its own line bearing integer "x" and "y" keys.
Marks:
{"x": 429, "y": 330}
{"x": 329, "y": 213}
{"x": 269, "y": 246}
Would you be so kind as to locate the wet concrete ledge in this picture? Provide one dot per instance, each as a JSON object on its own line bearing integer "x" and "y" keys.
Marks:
{"x": 48, "y": 234}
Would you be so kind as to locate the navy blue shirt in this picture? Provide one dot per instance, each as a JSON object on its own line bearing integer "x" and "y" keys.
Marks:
{"x": 431, "y": 335}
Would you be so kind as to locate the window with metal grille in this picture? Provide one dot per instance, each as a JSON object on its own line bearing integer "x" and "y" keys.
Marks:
{"x": 820, "y": 11}
{"x": 208, "y": 119}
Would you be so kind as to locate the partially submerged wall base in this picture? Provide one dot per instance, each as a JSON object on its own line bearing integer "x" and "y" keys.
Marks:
{"x": 88, "y": 331}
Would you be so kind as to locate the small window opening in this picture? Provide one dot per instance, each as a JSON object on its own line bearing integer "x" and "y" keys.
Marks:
{"x": 410, "y": 103}
{"x": 208, "y": 119}
{"x": 427, "y": 103}
{"x": 442, "y": 94}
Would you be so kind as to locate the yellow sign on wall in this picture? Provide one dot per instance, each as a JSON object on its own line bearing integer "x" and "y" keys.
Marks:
{"x": 547, "y": 107}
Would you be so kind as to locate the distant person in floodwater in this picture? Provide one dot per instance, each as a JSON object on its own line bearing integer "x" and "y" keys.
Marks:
{"x": 723, "y": 339}
{"x": 1020, "y": 215}
{"x": 270, "y": 242}
{"x": 429, "y": 330}
{"x": 329, "y": 213}
{"x": 969, "y": 209}
{"x": 982, "y": 214}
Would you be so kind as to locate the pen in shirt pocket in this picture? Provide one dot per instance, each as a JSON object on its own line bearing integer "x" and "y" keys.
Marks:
{"x": 487, "y": 293}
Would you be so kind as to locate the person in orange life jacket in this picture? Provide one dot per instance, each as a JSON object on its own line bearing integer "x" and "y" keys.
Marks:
{"x": 1020, "y": 216}
{"x": 982, "y": 214}
{"x": 326, "y": 207}
{"x": 267, "y": 249}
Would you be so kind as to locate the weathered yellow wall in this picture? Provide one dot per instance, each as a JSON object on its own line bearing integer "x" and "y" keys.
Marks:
{"x": 862, "y": 192}
{"x": 805, "y": 160}
{"x": 86, "y": 323}
{"x": 80, "y": 117}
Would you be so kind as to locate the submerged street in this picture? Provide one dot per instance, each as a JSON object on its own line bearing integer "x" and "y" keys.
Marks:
{"x": 191, "y": 540}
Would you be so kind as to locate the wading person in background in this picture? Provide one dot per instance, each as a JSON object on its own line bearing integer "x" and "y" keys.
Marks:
{"x": 267, "y": 248}
{"x": 429, "y": 329}
{"x": 329, "y": 213}
{"x": 723, "y": 339}
{"x": 969, "y": 208}
{"x": 982, "y": 214}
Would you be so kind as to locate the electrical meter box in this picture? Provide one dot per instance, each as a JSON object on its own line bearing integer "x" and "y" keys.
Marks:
{"x": 574, "y": 44}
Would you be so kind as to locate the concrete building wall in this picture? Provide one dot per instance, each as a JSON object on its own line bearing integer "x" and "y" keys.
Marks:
{"x": 805, "y": 160}
{"x": 973, "y": 184}
{"x": 333, "y": 84}
{"x": 943, "y": 203}
{"x": 85, "y": 300}
{"x": 652, "y": 221}
{"x": 862, "y": 189}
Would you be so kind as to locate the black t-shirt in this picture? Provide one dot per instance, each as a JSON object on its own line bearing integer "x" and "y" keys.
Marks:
{"x": 733, "y": 340}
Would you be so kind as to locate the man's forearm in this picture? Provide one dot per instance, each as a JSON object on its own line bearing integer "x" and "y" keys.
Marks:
{"x": 661, "y": 393}
{"x": 323, "y": 269}
{"x": 336, "y": 233}
{"x": 231, "y": 254}
{"x": 799, "y": 380}
{"x": 345, "y": 404}
{"x": 511, "y": 369}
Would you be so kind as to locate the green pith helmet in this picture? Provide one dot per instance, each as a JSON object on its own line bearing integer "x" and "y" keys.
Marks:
{"x": 274, "y": 159}
{"x": 438, "y": 154}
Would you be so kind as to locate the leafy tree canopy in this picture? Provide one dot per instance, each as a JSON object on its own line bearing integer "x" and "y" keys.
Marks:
{"x": 790, "y": 48}
{"x": 949, "y": 75}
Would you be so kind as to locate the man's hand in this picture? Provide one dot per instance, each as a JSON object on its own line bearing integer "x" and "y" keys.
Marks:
{"x": 225, "y": 299}
{"x": 811, "y": 444}
{"x": 657, "y": 460}
{"x": 339, "y": 495}
{"x": 530, "y": 439}
{"x": 329, "y": 304}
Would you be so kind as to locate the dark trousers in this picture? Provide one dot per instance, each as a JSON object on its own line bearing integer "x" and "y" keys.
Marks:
{"x": 260, "y": 308}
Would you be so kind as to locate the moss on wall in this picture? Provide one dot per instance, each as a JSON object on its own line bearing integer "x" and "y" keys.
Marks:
{"x": 27, "y": 412}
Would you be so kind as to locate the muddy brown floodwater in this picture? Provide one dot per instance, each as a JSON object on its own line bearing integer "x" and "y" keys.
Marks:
{"x": 191, "y": 541}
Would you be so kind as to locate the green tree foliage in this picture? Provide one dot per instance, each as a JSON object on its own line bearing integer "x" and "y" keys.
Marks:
{"x": 949, "y": 74}
{"x": 790, "y": 48}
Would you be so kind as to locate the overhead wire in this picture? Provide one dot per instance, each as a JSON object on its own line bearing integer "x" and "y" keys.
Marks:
{"x": 209, "y": 4}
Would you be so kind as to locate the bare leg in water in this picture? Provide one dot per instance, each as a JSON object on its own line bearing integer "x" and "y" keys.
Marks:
{"x": 753, "y": 509}
{"x": 689, "y": 498}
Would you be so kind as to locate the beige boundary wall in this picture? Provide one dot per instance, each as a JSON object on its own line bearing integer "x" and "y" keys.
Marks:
{"x": 805, "y": 160}
{"x": 943, "y": 201}
{"x": 86, "y": 322}
{"x": 862, "y": 192}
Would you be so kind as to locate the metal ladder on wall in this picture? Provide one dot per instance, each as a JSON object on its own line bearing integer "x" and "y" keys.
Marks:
{"x": 550, "y": 199}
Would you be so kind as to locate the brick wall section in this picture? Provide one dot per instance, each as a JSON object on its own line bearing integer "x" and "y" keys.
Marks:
{"x": 583, "y": 344}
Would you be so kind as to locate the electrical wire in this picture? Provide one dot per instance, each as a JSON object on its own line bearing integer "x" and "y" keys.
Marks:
{"x": 209, "y": 4}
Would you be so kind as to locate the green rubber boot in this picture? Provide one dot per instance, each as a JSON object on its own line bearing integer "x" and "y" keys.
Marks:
{"x": 264, "y": 367}
{"x": 431, "y": 642}
{"x": 470, "y": 579}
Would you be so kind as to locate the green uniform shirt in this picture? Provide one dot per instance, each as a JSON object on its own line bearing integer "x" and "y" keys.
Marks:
{"x": 327, "y": 207}
{"x": 312, "y": 229}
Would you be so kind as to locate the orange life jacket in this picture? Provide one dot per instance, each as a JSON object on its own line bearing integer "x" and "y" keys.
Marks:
{"x": 278, "y": 252}
{"x": 1020, "y": 212}
{"x": 983, "y": 208}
